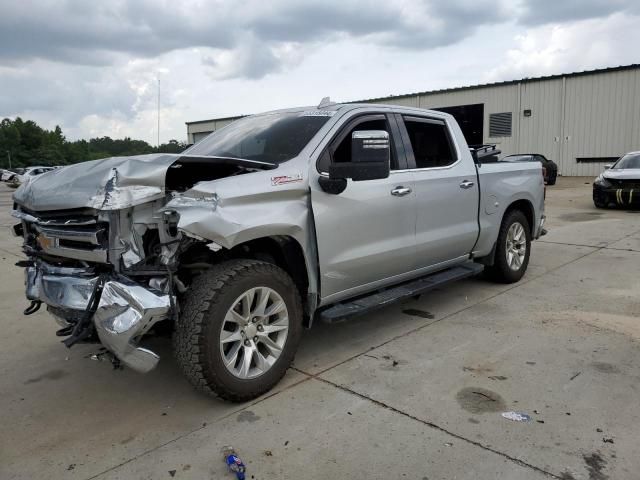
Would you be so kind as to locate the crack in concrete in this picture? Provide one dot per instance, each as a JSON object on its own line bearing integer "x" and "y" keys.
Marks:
{"x": 599, "y": 247}
{"x": 204, "y": 425}
{"x": 428, "y": 324}
{"x": 316, "y": 376}
{"x": 435, "y": 426}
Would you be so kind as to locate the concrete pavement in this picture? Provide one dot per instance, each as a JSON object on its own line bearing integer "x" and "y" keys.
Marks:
{"x": 412, "y": 391}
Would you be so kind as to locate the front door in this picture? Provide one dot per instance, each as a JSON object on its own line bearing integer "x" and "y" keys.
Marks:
{"x": 366, "y": 234}
{"x": 446, "y": 190}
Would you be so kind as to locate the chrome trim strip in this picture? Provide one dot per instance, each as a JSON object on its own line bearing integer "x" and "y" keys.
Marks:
{"x": 428, "y": 169}
{"x": 75, "y": 235}
{"x": 371, "y": 135}
{"x": 97, "y": 255}
{"x": 51, "y": 236}
{"x": 60, "y": 223}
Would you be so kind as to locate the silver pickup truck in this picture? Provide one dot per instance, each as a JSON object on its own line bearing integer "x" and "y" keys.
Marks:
{"x": 267, "y": 224}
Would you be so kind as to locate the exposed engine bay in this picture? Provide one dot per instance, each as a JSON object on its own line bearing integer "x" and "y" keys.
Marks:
{"x": 114, "y": 268}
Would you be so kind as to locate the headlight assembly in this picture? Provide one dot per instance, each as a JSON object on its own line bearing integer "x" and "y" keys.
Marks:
{"x": 602, "y": 182}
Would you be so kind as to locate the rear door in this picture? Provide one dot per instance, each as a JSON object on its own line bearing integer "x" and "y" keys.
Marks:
{"x": 446, "y": 188}
{"x": 366, "y": 234}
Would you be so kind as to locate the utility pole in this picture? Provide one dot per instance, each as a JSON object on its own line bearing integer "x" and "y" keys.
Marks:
{"x": 9, "y": 155}
{"x": 158, "y": 111}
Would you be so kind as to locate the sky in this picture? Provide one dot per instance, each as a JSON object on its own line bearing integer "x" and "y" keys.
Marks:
{"x": 93, "y": 67}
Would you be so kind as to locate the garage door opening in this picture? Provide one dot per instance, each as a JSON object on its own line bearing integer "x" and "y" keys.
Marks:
{"x": 470, "y": 118}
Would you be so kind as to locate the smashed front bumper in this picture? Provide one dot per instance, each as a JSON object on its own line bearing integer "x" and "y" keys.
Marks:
{"x": 125, "y": 310}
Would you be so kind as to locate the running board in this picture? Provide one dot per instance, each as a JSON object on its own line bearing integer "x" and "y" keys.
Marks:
{"x": 382, "y": 298}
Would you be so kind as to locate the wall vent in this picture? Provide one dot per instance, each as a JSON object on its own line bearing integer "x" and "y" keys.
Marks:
{"x": 500, "y": 124}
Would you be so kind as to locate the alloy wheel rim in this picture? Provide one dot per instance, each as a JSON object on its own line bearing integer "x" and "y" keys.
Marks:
{"x": 254, "y": 332}
{"x": 516, "y": 246}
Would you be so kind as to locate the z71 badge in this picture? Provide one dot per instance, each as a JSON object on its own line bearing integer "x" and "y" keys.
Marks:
{"x": 284, "y": 179}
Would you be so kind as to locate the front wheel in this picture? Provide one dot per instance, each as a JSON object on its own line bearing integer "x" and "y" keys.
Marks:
{"x": 599, "y": 199}
{"x": 239, "y": 329}
{"x": 512, "y": 250}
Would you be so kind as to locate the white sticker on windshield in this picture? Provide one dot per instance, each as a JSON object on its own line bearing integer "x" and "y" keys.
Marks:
{"x": 318, "y": 113}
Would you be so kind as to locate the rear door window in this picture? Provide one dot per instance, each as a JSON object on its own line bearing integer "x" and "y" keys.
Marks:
{"x": 430, "y": 141}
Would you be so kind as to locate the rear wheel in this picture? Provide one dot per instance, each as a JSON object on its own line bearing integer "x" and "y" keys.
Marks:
{"x": 239, "y": 329}
{"x": 552, "y": 178}
{"x": 512, "y": 250}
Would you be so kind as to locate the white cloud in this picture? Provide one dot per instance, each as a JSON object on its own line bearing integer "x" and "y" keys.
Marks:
{"x": 577, "y": 46}
{"x": 92, "y": 67}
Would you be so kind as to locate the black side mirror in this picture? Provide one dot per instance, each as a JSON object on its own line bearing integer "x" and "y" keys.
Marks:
{"x": 370, "y": 157}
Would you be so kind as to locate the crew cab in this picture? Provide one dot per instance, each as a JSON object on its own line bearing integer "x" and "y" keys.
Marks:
{"x": 268, "y": 224}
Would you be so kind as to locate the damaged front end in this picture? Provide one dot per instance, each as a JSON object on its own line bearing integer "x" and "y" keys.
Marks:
{"x": 104, "y": 275}
{"x": 106, "y": 262}
{"x": 114, "y": 309}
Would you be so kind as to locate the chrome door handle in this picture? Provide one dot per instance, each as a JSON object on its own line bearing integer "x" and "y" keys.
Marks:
{"x": 400, "y": 191}
{"x": 466, "y": 184}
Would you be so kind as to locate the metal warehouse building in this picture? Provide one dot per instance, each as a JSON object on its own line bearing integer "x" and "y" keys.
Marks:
{"x": 580, "y": 120}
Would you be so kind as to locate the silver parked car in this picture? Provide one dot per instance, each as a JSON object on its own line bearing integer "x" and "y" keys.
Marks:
{"x": 7, "y": 175}
{"x": 27, "y": 174}
{"x": 267, "y": 224}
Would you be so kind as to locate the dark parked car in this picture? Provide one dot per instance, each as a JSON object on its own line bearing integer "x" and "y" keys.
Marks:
{"x": 550, "y": 167}
{"x": 619, "y": 183}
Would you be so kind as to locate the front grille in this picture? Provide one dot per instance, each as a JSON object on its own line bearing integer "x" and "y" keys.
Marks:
{"x": 70, "y": 316}
{"x": 74, "y": 217}
{"x": 74, "y": 234}
{"x": 625, "y": 183}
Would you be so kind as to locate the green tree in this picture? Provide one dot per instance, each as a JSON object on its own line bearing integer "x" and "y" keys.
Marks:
{"x": 30, "y": 144}
{"x": 173, "y": 146}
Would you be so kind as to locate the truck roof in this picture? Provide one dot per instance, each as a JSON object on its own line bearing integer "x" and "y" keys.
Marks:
{"x": 331, "y": 107}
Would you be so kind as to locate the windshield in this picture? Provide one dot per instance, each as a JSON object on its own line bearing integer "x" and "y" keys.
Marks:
{"x": 630, "y": 160}
{"x": 273, "y": 138}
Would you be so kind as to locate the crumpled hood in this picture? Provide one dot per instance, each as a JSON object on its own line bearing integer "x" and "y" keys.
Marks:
{"x": 105, "y": 184}
{"x": 622, "y": 174}
{"x": 122, "y": 182}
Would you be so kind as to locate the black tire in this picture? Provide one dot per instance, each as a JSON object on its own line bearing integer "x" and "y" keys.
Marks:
{"x": 553, "y": 176}
{"x": 196, "y": 339}
{"x": 599, "y": 200}
{"x": 500, "y": 271}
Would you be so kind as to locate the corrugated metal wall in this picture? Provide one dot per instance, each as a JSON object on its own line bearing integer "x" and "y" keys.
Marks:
{"x": 542, "y": 131}
{"x": 495, "y": 99}
{"x": 593, "y": 115}
{"x": 602, "y": 119}
{"x": 197, "y": 131}
{"x": 585, "y": 116}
